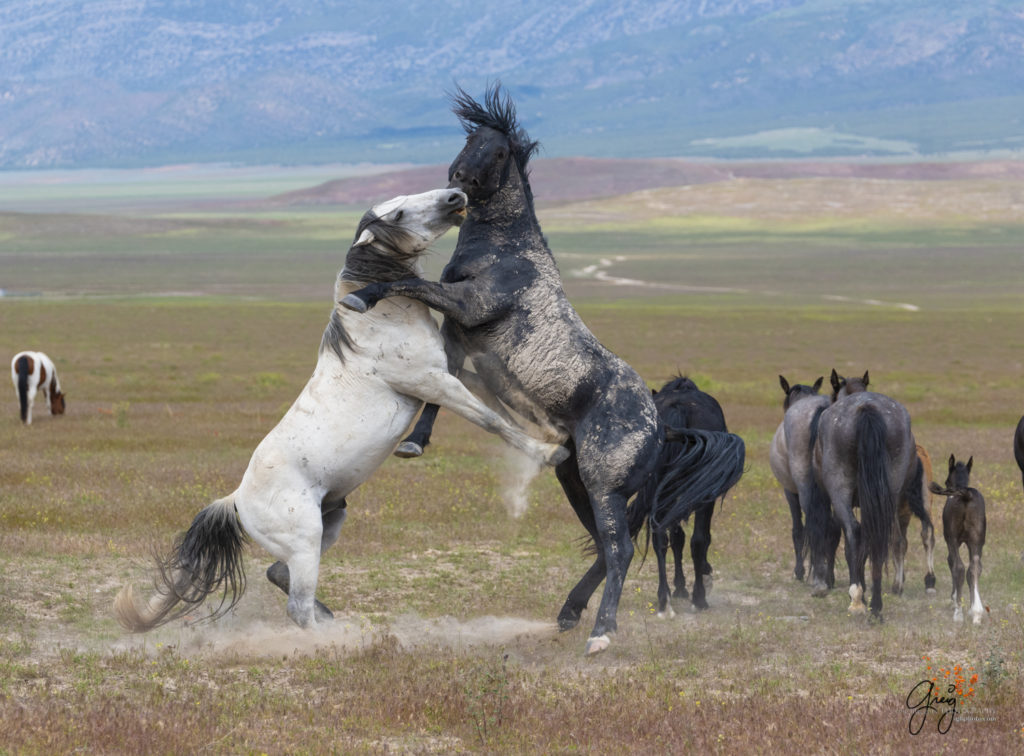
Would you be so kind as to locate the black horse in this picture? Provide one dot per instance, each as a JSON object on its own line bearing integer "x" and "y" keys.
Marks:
{"x": 682, "y": 405}
{"x": 503, "y": 303}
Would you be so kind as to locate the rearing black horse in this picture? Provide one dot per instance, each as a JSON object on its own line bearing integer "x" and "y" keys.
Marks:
{"x": 504, "y": 306}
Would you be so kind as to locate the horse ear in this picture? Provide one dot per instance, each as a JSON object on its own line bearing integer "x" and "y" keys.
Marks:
{"x": 366, "y": 237}
{"x": 867, "y": 380}
{"x": 952, "y": 463}
{"x": 970, "y": 462}
{"x": 817, "y": 383}
{"x": 654, "y": 392}
{"x": 834, "y": 380}
{"x": 785, "y": 385}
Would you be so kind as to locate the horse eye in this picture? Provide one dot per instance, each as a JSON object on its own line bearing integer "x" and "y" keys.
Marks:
{"x": 398, "y": 216}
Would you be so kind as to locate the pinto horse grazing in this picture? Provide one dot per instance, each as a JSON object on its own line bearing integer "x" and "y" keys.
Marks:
{"x": 682, "y": 405}
{"x": 503, "y": 303}
{"x": 963, "y": 522}
{"x": 34, "y": 372}
{"x": 865, "y": 456}
{"x": 372, "y": 376}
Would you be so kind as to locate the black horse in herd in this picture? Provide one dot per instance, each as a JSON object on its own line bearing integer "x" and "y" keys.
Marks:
{"x": 504, "y": 307}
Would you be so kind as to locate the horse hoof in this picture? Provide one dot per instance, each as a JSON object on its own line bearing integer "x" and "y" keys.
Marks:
{"x": 597, "y": 644}
{"x": 667, "y": 613}
{"x": 408, "y": 450}
{"x": 819, "y": 590}
{"x": 352, "y": 302}
{"x": 567, "y": 623}
{"x": 930, "y": 591}
{"x": 958, "y": 616}
{"x": 857, "y": 609}
{"x": 322, "y": 613}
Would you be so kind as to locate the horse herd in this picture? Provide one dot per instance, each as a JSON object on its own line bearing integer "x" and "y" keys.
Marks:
{"x": 626, "y": 458}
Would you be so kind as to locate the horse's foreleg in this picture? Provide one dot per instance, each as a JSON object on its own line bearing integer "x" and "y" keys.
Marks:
{"x": 659, "y": 540}
{"x": 468, "y": 303}
{"x": 799, "y": 541}
{"x": 414, "y": 444}
{"x": 446, "y": 390}
{"x": 899, "y": 555}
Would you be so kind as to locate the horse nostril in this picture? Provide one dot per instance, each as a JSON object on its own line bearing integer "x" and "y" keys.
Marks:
{"x": 455, "y": 199}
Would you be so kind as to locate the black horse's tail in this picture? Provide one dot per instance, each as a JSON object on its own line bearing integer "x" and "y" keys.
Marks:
{"x": 694, "y": 467}
{"x": 206, "y": 559}
{"x": 877, "y": 504}
{"x": 22, "y": 369}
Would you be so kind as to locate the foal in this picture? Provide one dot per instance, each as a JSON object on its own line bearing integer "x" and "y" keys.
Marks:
{"x": 34, "y": 372}
{"x": 963, "y": 521}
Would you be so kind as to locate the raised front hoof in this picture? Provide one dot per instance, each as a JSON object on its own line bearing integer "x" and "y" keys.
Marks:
{"x": 557, "y": 455}
{"x": 597, "y": 644}
{"x": 322, "y": 613}
{"x": 408, "y": 450}
{"x": 354, "y": 303}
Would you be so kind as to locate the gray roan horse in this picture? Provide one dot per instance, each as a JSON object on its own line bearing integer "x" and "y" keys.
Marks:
{"x": 963, "y": 522}
{"x": 908, "y": 505}
{"x": 503, "y": 303}
{"x": 791, "y": 461}
{"x": 865, "y": 456}
{"x": 373, "y": 374}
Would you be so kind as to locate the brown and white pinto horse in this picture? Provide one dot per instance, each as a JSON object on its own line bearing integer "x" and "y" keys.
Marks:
{"x": 34, "y": 372}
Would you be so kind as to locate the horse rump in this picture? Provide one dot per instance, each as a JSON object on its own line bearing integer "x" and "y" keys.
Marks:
{"x": 695, "y": 466}
{"x": 206, "y": 559}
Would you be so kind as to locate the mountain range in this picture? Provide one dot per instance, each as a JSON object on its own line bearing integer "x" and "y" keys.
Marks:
{"x": 120, "y": 83}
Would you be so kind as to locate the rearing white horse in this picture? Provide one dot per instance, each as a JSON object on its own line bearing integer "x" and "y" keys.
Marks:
{"x": 373, "y": 374}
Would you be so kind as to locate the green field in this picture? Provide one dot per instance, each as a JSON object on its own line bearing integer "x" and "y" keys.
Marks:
{"x": 183, "y": 331}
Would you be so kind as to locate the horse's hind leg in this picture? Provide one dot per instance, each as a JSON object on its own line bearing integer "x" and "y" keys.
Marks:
{"x": 700, "y": 541}
{"x": 899, "y": 554}
{"x": 928, "y": 541}
{"x": 799, "y": 540}
{"x": 659, "y": 541}
{"x": 568, "y": 475}
{"x": 677, "y": 540}
{"x": 977, "y": 610}
{"x": 956, "y": 570}
{"x": 614, "y": 540}
{"x": 278, "y": 573}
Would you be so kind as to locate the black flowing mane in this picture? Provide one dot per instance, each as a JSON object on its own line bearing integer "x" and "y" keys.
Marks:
{"x": 499, "y": 113}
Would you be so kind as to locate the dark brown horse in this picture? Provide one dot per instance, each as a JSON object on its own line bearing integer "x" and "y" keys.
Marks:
{"x": 963, "y": 522}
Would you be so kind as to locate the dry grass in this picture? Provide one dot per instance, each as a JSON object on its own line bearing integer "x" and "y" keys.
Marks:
{"x": 445, "y": 638}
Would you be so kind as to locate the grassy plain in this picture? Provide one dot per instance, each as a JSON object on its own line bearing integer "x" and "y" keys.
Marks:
{"x": 183, "y": 333}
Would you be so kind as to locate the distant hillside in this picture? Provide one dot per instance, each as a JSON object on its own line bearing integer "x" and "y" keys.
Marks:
{"x": 559, "y": 180}
{"x": 148, "y": 82}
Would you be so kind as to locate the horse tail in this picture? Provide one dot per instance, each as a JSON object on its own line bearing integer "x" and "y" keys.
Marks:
{"x": 874, "y": 495}
{"x": 23, "y": 370}
{"x": 694, "y": 467}
{"x": 915, "y": 495}
{"x": 207, "y": 558}
{"x": 818, "y": 509}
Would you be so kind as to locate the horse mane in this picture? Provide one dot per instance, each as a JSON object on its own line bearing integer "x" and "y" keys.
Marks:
{"x": 499, "y": 113}
{"x": 383, "y": 259}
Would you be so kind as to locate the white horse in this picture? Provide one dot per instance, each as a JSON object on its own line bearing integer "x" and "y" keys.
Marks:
{"x": 34, "y": 372}
{"x": 373, "y": 374}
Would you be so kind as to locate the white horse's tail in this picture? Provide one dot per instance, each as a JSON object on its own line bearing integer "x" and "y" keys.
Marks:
{"x": 206, "y": 559}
